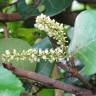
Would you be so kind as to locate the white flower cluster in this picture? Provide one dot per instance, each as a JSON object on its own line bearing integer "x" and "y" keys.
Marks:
{"x": 53, "y": 29}
{"x": 33, "y": 55}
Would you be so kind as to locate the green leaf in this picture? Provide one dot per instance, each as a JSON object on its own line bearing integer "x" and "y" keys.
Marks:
{"x": 25, "y": 34}
{"x": 10, "y": 85}
{"x": 50, "y": 7}
{"x": 41, "y": 8}
{"x": 87, "y": 55}
{"x": 44, "y": 67}
{"x": 44, "y": 44}
{"x": 28, "y": 2}
{"x": 46, "y": 92}
{"x": 19, "y": 45}
{"x": 1, "y": 35}
{"x": 77, "y": 6}
{"x": 83, "y": 42}
{"x": 91, "y": 6}
{"x": 10, "y": 9}
{"x": 28, "y": 34}
{"x": 13, "y": 26}
{"x": 2, "y": 1}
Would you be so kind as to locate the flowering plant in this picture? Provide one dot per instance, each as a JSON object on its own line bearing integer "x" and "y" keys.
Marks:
{"x": 53, "y": 29}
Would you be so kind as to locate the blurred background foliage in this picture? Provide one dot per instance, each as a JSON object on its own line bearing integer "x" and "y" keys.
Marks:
{"x": 23, "y": 31}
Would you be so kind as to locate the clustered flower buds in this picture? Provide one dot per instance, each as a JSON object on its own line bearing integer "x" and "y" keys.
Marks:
{"x": 33, "y": 55}
{"x": 53, "y": 29}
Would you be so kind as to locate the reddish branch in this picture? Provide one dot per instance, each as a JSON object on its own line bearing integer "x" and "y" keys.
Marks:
{"x": 76, "y": 74}
{"x": 65, "y": 17}
{"x": 24, "y": 94}
{"x": 4, "y": 17}
{"x": 48, "y": 81}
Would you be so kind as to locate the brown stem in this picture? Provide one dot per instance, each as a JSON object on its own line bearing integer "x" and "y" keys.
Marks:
{"x": 24, "y": 94}
{"x": 6, "y": 32}
{"x": 48, "y": 81}
{"x": 64, "y": 17}
{"x": 78, "y": 75}
{"x": 4, "y": 17}
{"x": 84, "y": 81}
{"x": 75, "y": 73}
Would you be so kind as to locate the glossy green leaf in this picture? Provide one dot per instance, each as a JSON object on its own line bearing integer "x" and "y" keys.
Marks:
{"x": 19, "y": 45}
{"x": 83, "y": 42}
{"x": 10, "y": 9}
{"x": 25, "y": 34}
{"x": 13, "y": 26}
{"x": 87, "y": 55}
{"x": 28, "y": 34}
{"x": 44, "y": 67}
{"x": 10, "y": 85}
{"x": 50, "y": 7}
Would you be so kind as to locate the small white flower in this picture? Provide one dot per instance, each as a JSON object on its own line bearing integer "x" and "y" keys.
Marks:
{"x": 33, "y": 55}
{"x": 14, "y": 51}
{"x": 7, "y": 52}
{"x": 44, "y": 57}
{"x": 53, "y": 29}
{"x": 52, "y": 51}
{"x": 46, "y": 51}
{"x": 40, "y": 51}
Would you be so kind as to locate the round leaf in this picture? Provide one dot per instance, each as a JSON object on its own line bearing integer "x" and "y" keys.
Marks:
{"x": 84, "y": 40}
{"x": 19, "y": 45}
{"x": 10, "y": 85}
{"x": 48, "y": 7}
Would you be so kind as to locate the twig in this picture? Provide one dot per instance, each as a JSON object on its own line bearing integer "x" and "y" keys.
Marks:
{"x": 4, "y": 17}
{"x": 48, "y": 81}
{"x": 84, "y": 81}
{"x": 6, "y": 33}
{"x": 24, "y": 94}
{"x": 75, "y": 73}
{"x": 64, "y": 17}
